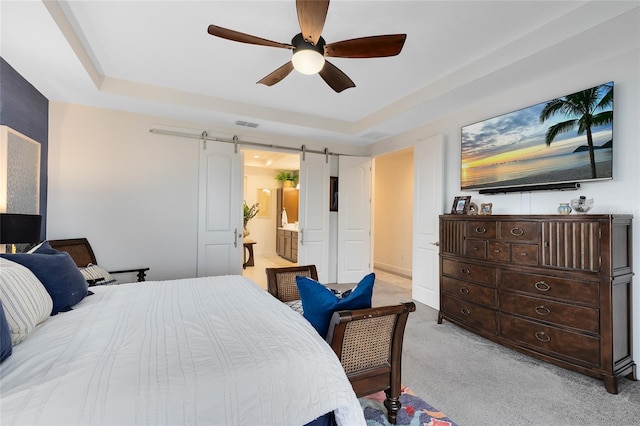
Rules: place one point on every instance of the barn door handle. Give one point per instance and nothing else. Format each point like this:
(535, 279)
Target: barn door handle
(235, 237)
(301, 237)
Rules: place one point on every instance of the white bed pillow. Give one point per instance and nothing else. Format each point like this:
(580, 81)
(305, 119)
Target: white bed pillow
(97, 275)
(25, 300)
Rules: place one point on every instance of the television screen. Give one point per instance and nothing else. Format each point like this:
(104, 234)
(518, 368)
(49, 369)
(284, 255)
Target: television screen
(567, 139)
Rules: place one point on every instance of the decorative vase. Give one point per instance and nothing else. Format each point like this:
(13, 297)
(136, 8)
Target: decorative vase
(245, 232)
(287, 184)
(564, 208)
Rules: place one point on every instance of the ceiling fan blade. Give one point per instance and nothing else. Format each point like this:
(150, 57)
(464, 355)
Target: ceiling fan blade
(278, 75)
(232, 35)
(367, 47)
(335, 78)
(311, 17)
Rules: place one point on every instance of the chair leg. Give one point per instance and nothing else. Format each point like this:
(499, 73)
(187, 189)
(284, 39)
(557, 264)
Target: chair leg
(392, 403)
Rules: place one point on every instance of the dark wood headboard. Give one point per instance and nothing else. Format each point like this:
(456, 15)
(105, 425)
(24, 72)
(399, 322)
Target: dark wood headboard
(78, 248)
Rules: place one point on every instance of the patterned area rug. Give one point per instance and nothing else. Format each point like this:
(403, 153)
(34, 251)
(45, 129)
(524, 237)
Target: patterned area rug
(414, 411)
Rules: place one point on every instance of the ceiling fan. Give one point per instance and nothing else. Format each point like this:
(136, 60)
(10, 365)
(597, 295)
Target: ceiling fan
(310, 49)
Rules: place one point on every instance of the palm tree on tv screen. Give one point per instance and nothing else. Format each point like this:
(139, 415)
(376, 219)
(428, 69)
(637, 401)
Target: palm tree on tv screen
(584, 107)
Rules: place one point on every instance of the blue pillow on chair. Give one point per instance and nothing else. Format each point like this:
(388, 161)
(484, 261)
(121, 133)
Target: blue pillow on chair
(319, 302)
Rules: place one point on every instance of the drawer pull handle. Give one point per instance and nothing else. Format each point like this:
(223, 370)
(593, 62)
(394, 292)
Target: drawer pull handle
(465, 271)
(523, 254)
(517, 232)
(464, 290)
(481, 230)
(542, 286)
(496, 251)
(542, 336)
(542, 310)
(465, 311)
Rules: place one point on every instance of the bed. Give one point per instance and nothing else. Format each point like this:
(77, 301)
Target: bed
(208, 351)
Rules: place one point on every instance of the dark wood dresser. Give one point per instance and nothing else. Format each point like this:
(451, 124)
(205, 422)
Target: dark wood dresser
(554, 287)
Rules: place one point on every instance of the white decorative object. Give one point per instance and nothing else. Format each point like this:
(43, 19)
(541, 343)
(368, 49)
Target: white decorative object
(582, 204)
(19, 173)
(284, 217)
(564, 208)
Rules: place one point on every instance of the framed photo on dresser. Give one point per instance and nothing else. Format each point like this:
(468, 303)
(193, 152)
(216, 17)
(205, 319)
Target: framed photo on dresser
(460, 204)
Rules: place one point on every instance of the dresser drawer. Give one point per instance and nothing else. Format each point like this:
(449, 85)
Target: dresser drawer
(498, 251)
(469, 272)
(469, 292)
(573, 347)
(476, 248)
(485, 229)
(557, 288)
(577, 317)
(470, 314)
(519, 231)
(524, 254)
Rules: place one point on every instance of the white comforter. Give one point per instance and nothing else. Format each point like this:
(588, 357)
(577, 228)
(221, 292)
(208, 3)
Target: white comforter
(208, 351)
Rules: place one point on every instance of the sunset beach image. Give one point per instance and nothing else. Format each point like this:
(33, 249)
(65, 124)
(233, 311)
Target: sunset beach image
(551, 142)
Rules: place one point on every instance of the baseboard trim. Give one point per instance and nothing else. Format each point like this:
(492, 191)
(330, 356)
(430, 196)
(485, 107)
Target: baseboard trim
(403, 272)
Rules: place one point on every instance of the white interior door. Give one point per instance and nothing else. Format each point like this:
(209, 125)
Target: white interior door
(428, 204)
(220, 210)
(354, 218)
(313, 218)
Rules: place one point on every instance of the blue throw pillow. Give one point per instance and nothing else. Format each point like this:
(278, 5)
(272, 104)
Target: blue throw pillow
(58, 273)
(319, 303)
(5, 336)
(45, 248)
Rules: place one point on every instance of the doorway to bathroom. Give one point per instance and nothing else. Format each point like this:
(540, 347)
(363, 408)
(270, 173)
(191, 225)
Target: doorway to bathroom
(265, 175)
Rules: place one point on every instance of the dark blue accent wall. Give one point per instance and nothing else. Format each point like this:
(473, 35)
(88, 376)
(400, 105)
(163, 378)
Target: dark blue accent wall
(26, 110)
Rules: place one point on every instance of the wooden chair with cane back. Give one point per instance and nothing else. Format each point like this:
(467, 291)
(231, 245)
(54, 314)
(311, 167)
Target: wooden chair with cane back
(281, 282)
(368, 343)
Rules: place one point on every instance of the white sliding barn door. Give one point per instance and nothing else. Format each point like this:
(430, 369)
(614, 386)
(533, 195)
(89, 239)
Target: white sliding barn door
(313, 219)
(354, 218)
(428, 204)
(220, 217)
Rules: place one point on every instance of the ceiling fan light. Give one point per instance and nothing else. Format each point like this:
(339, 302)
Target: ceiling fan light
(307, 61)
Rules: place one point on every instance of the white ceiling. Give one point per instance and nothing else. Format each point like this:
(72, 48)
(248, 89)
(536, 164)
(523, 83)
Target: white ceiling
(156, 57)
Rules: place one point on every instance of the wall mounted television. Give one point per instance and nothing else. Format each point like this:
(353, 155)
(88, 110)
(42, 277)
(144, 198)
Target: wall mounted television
(562, 141)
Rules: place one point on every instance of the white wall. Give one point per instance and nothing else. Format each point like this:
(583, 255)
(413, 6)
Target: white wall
(620, 195)
(132, 193)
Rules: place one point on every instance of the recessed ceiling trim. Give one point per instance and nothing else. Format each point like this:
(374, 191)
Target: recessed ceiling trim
(61, 20)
